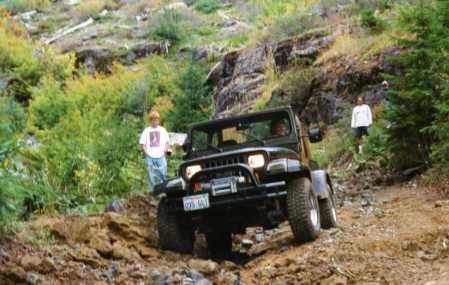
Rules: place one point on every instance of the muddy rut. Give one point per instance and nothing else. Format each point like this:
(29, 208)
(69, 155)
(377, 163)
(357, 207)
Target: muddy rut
(399, 235)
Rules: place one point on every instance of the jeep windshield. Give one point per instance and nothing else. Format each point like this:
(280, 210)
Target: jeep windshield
(219, 135)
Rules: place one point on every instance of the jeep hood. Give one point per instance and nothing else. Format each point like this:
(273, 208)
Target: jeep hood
(272, 152)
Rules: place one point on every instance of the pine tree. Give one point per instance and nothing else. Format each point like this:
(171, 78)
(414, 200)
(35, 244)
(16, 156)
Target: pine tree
(417, 93)
(193, 104)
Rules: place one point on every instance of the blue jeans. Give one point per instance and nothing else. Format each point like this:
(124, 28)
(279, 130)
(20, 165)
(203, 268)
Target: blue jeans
(157, 170)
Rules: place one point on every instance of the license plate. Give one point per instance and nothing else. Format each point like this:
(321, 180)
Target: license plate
(197, 202)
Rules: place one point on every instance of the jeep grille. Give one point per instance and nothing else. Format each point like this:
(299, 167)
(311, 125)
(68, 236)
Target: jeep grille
(224, 161)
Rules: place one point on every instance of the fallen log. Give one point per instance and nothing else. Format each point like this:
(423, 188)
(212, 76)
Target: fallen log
(65, 31)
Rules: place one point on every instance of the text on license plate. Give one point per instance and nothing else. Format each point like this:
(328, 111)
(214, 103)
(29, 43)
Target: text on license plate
(197, 202)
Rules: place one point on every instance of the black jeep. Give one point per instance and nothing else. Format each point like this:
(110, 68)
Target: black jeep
(244, 171)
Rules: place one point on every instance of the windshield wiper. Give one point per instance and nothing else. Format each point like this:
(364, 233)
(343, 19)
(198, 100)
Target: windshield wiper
(214, 147)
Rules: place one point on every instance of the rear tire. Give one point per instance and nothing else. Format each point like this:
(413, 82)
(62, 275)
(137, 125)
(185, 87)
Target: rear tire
(219, 244)
(328, 211)
(175, 231)
(303, 210)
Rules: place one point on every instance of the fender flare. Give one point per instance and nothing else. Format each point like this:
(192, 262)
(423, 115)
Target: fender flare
(320, 180)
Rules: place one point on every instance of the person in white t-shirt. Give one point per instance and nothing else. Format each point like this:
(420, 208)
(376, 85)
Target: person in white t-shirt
(154, 142)
(361, 120)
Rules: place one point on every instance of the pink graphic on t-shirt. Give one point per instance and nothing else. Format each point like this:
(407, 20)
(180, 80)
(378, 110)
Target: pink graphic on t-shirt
(155, 139)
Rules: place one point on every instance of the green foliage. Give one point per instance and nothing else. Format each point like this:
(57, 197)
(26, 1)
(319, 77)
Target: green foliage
(171, 25)
(338, 145)
(159, 81)
(91, 8)
(20, 6)
(12, 122)
(296, 83)
(25, 64)
(207, 6)
(375, 145)
(371, 22)
(49, 104)
(417, 103)
(85, 138)
(193, 104)
(277, 20)
(12, 118)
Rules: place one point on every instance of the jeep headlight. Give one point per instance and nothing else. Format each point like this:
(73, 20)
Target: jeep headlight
(256, 161)
(192, 169)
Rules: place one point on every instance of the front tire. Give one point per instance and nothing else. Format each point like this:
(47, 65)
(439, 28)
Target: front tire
(219, 244)
(328, 211)
(175, 231)
(303, 210)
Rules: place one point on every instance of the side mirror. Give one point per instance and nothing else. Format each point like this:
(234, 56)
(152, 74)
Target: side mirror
(186, 146)
(315, 135)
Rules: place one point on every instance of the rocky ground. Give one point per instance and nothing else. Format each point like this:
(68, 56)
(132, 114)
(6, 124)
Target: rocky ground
(396, 235)
(388, 235)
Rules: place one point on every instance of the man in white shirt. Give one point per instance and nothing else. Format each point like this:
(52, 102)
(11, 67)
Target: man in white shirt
(361, 120)
(154, 142)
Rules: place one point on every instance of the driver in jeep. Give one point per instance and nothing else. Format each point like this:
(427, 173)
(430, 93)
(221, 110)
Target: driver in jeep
(279, 128)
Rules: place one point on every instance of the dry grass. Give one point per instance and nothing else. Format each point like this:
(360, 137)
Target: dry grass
(356, 46)
(91, 8)
(138, 7)
(271, 83)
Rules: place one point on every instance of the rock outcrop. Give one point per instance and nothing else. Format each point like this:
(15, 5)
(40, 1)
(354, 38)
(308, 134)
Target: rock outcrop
(97, 58)
(239, 78)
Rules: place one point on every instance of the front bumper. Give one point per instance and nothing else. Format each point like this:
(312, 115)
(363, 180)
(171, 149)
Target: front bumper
(233, 191)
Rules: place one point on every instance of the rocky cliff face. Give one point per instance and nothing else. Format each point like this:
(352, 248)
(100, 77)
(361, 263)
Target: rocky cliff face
(237, 80)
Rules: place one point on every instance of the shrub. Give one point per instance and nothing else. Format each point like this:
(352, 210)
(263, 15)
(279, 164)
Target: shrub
(49, 105)
(12, 118)
(297, 82)
(12, 193)
(20, 6)
(207, 6)
(27, 65)
(91, 8)
(375, 145)
(159, 81)
(170, 25)
(371, 22)
(84, 153)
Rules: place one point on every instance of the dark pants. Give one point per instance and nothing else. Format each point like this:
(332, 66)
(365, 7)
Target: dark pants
(360, 132)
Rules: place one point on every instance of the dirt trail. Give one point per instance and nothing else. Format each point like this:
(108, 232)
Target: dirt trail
(399, 236)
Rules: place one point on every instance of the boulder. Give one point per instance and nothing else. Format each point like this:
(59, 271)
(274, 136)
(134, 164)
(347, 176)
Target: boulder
(33, 278)
(31, 262)
(48, 265)
(204, 52)
(122, 251)
(146, 251)
(100, 58)
(101, 243)
(183, 276)
(335, 280)
(12, 274)
(72, 229)
(87, 256)
(204, 266)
